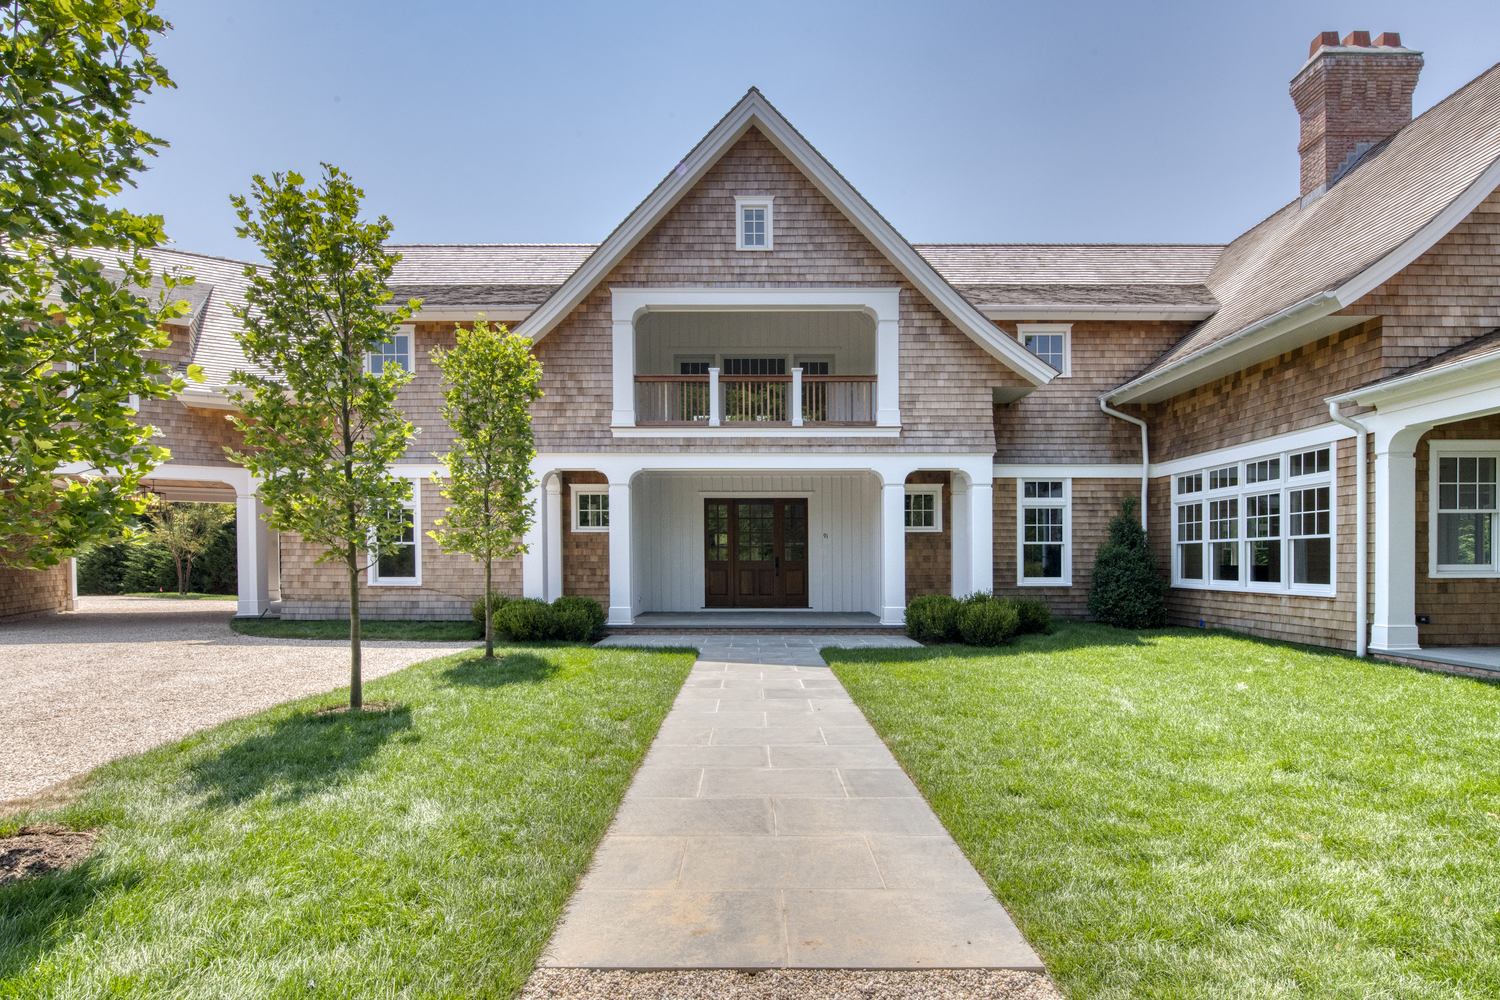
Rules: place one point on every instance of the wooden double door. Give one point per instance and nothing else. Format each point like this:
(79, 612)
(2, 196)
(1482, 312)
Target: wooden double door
(755, 553)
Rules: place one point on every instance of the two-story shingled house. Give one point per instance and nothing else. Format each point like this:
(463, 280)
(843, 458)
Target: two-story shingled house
(760, 395)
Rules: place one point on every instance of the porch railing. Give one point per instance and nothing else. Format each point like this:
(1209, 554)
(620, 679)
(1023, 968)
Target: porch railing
(765, 399)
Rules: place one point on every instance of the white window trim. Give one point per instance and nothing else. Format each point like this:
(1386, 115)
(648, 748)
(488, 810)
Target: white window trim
(934, 490)
(744, 201)
(1443, 449)
(591, 489)
(1284, 485)
(408, 331)
(414, 505)
(1066, 580)
(1066, 329)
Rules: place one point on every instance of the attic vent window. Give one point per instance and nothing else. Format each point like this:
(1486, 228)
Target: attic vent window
(752, 223)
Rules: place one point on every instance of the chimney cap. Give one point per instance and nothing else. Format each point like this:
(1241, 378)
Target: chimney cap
(1389, 40)
(1357, 39)
(1326, 38)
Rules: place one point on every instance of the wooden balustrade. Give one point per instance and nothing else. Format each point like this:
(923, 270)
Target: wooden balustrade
(685, 399)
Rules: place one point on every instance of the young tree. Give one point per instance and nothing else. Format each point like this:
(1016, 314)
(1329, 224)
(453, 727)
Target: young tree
(320, 430)
(490, 380)
(185, 530)
(71, 333)
(1128, 590)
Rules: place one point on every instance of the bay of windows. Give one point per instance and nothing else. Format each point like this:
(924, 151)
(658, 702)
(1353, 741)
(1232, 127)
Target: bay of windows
(1265, 524)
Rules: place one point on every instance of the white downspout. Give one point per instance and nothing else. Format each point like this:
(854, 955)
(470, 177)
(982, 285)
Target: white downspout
(1361, 541)
(1145, 454)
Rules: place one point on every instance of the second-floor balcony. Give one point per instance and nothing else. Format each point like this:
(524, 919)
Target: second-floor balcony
(716, 399)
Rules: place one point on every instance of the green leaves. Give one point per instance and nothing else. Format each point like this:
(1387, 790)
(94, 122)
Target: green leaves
(320, 431)
(490, 380)
(72, 335)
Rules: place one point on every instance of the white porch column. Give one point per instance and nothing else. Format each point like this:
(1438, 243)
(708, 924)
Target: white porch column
(959, 548)
(794, 402)
(1394, 628)
(623, 414)
(534, 559)
(252, 552)
(893, 553)
(982, 535)
(714, 406)
(553, 528)
(620, 568)
(888, 372)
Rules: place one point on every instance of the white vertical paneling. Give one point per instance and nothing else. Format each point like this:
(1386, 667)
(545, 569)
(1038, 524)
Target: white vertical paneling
(843, 568)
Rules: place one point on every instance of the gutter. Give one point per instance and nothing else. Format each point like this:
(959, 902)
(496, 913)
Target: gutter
(1145, 453)
(1312, 308)
(1073, 311)
(1396, 385)
(1361, 540)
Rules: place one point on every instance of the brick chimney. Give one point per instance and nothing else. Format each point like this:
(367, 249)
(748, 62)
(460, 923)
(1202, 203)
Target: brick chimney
(1351, 94)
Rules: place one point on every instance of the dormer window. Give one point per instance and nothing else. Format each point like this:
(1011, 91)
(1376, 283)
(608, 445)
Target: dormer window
(752, 225)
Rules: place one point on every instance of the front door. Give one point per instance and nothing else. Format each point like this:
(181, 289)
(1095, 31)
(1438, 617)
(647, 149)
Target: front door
(755, 553)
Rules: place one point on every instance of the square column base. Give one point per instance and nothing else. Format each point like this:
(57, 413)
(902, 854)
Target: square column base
(1394, 639)
(620, 616)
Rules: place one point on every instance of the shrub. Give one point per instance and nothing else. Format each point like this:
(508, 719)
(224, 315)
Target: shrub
(932, 618)
(1128, 590)
(988, 623)
(1034, 616)
(579, 619)
(497, 601)
(978, 597)
(527, 620)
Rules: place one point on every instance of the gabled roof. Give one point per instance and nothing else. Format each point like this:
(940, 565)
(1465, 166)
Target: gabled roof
(754, 111)
(1281, 282)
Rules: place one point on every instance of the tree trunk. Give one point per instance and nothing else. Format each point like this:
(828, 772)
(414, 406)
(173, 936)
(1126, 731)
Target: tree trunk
(489, 624)
(356, 693)
(186, 583)
(181, 584)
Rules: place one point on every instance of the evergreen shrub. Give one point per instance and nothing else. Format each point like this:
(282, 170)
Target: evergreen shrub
(497, 601)
(932, 618)
(527, 620)
(989, 622)
(1035, 617)
(1128, 590)
(579, 619)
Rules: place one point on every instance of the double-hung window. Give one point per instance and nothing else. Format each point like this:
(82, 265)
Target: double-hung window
(753, 223)
(590, 507)
(1050, 342)
(1044, 526)
(1263, 524)
(401, 566)
(924, 507)
(1463, 498)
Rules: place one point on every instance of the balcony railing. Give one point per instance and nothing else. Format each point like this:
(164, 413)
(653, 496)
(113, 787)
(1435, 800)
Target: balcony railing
(715, 400)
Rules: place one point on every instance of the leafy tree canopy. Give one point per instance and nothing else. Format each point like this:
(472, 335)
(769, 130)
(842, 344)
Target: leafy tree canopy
(74, 316)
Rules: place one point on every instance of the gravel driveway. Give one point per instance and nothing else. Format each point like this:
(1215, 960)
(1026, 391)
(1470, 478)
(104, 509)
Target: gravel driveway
(124, 674)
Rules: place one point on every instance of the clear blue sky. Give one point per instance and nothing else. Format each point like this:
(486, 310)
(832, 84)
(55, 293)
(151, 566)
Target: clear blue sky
(474, 122)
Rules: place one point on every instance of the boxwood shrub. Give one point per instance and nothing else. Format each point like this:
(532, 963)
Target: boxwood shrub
(988, 623)
(932, 618)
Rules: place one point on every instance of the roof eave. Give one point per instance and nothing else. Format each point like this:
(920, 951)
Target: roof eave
(1401, 388)
(1084, 313)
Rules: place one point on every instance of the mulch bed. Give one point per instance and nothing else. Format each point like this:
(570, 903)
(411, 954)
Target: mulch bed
(369, 708)
(37, 850)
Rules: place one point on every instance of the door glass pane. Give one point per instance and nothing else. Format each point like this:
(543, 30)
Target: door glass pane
(757, 530)
(716, 528)
(795, 532)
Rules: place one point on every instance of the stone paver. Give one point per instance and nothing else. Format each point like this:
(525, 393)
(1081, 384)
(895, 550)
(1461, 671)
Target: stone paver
(783, 650)
(122, 675)
(770, 828)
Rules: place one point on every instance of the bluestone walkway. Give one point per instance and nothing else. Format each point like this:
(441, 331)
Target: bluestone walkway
(769, 827)
(783, 650)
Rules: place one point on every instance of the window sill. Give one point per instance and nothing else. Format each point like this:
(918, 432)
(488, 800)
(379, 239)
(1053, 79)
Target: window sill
(1045, 581)
(1464, 573)
(395, 583)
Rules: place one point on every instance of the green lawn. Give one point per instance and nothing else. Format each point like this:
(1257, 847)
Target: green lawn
(338, 628)
(425, 850)
(1196, 814)
(182, 597)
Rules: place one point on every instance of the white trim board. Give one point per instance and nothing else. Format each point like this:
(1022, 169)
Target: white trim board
(1293, 441)
(1016, 471)
(754, 111)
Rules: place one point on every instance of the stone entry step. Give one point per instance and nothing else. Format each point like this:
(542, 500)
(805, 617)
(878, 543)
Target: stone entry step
(769, 827)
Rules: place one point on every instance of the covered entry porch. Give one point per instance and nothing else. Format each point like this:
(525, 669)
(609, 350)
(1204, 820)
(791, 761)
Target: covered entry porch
(803, 534)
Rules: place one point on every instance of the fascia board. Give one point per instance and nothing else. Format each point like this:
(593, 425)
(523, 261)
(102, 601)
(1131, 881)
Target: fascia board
(1420, 387)
(1079, 313)
(1292, 326)
(755, 111)
(1423, 239)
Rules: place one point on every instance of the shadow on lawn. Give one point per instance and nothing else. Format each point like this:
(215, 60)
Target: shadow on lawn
(505, 668)
(37, 914)
(296, 756)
